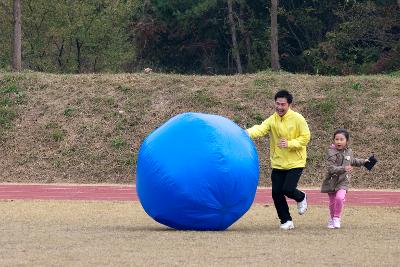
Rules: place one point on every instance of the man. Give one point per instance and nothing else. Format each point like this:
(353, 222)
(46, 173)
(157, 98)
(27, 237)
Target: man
(288, 137)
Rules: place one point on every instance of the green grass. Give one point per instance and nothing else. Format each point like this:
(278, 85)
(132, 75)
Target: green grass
(10, 87)
(110, 100)
(204, 98)
(123, 88)
(257, 118)
(68, 111)
(395, 74)
(356, 86)
(10, 97)
(6, 116)
(55, 131)
(57, 135)
(260, 83)
(118, 143)
(56, 163)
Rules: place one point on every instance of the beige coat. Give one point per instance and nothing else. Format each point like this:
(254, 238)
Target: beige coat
(336, 177)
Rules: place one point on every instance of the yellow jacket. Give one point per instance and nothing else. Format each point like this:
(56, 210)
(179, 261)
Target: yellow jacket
(293, 127)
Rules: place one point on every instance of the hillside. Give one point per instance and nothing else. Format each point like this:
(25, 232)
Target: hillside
(78, 128)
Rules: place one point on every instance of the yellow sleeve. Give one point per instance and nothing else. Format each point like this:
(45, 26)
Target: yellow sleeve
(303, 138)
(260, 130)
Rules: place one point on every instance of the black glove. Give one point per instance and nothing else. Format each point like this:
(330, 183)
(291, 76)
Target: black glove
(370, 163)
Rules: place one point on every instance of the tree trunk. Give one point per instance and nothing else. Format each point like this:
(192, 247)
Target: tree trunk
(60, 54)
(17, 36)
(245, 33)
(78, 55)
(235, 46)
(274, 36)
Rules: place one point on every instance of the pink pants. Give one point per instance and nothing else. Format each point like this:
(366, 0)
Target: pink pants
(336, 203)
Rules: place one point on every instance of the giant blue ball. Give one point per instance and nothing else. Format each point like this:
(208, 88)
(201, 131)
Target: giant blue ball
(197, 172)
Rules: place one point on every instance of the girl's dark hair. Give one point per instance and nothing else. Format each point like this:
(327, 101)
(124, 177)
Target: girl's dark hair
(284, 94)
(342, 131)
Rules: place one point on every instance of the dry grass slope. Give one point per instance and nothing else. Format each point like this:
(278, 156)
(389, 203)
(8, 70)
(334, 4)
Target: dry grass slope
(78, 128)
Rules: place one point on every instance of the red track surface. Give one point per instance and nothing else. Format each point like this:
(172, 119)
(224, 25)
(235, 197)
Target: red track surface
(128, 193)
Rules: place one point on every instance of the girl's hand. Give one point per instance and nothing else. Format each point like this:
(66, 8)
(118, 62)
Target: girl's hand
(348, 168)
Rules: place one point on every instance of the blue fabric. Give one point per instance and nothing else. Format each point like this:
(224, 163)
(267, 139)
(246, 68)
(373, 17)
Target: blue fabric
(197, 172)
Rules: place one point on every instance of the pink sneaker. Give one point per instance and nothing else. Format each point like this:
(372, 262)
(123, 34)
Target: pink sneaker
(330, 224)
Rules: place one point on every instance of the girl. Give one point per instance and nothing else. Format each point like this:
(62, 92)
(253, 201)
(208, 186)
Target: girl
(340, 161)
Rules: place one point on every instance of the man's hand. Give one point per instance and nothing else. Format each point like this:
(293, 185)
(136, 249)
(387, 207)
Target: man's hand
(283, 143)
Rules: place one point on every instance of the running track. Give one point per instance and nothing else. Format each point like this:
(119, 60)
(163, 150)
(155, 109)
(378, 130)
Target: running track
(128, 193)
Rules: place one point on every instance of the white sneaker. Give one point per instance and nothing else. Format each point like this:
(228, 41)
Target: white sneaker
(287, 225)
(336, 222)
(330, 224)
(302, 205)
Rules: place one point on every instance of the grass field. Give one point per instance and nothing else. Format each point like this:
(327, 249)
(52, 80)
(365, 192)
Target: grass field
(79, 233)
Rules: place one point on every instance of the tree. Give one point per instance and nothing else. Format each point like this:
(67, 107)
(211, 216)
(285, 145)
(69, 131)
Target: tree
(17, 36)
(365, 39)
(235, 47)
(204, 36)
(6, 33)
(245, 34)
(83, 36)
(274, 36)
(183, 36)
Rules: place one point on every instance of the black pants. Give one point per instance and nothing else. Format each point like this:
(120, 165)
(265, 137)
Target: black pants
(284, 183)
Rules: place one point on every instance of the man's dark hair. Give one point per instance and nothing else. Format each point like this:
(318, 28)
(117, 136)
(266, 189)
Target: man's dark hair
(284, 94)
(342, 131)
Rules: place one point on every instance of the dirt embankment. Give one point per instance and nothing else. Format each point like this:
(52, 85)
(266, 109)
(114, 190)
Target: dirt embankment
(78, 128)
